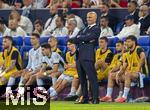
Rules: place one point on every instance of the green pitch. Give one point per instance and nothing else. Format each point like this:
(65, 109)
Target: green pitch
(59, 105)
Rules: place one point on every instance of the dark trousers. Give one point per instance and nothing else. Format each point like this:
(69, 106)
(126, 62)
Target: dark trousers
(86, 68)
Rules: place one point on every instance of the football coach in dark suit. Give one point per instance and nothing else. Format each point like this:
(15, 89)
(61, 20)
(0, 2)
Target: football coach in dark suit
(85, 41)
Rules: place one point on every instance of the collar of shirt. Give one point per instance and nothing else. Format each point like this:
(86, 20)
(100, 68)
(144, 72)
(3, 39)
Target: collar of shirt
(132, 13)
(90, 26)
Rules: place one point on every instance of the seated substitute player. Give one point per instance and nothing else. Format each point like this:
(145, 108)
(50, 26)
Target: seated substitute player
(51, 67)
(136, 65)
(12, 60)
(52, 41)
(69, 75)
(104, 57)
(34, 64)
(115, 66)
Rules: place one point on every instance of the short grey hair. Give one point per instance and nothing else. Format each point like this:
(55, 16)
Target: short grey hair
(72, 20)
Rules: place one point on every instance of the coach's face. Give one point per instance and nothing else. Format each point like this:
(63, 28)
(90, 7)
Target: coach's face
(102, 43)
(91, 18)
(130, 43)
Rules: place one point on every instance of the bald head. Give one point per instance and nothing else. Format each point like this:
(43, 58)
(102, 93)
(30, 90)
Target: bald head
(91, 18)
(144, 10)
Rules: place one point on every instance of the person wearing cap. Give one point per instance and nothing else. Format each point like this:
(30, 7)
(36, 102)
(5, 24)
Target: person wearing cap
(3, 27)
(130, 28)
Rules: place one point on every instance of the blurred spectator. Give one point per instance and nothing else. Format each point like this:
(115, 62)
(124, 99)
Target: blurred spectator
(69, 14)
(130, 28)
(57, 3)
(60, 30)
(15, 3)
(76, 4)
(111, 17)
(3, 27)
(3, 5)
(86, 4)
(38, 27)
(96, 3)
(132, 9)
(72, 28)
(23, 21)
(105, 29)
(14, 29)
(28, 5)
(144, 19)
(146, 2)
(50, 24)
(39, 4)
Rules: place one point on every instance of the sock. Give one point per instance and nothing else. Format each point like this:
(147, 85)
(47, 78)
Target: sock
(109, 92)
(11, 81)
(21, 81)
(54, 80)
(73, 91)
(126, 92)
(8, 90)
(51, 89)
(120, 93)
(21, 90)
(54, 93)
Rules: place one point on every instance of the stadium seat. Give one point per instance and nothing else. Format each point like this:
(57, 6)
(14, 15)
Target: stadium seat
(112, 41)
(18, 41)
(44, 40)
(118, 28)
(62, 48)
(62, 40)
(1, 48)
(113, 49)
(27, 41)
(1, 41)
(144, 41)
(24, 53)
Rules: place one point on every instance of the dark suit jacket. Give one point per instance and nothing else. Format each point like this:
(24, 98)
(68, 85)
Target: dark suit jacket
(145, 23)
(136, 16)
(85, 41)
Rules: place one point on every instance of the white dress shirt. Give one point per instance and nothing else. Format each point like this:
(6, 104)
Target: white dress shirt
(107, 31)
(50, 25)
(60, 32)
(129, 30)
(74, 33)
(37, 4)
(18, 32)
(26, 24)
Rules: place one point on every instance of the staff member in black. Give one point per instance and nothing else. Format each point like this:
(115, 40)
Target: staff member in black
(85, 41)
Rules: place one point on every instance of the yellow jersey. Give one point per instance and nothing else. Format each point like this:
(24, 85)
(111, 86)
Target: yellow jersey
(106, 56)
(133, 60)
(116, 60)
(8, 57)
(70, 59)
